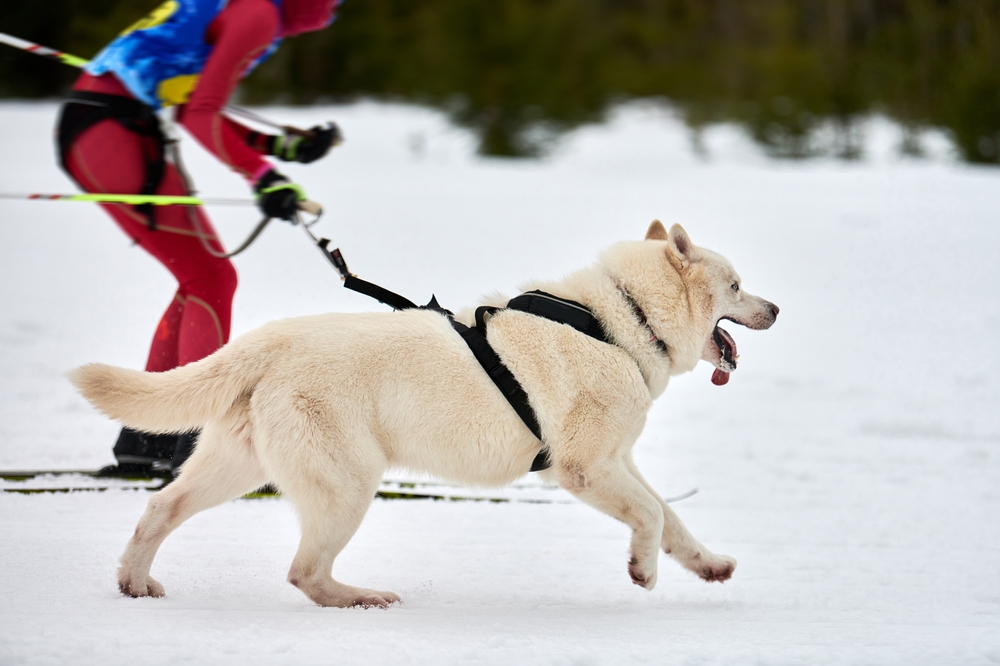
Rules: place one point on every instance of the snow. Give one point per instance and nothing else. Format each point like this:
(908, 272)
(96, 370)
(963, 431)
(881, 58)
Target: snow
(851, 465)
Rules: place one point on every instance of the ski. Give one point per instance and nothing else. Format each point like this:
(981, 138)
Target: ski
(33, 482)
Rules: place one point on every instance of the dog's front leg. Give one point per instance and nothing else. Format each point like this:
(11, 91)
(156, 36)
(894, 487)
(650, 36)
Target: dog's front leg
(609, 487)
(680, 544)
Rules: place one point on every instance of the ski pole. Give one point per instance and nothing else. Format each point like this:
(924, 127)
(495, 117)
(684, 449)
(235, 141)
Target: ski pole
(76, 61)
(45, 51)
(261, 120)
(287, 129)
(311, 207)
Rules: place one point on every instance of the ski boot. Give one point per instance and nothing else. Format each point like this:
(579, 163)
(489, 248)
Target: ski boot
(182, 450)
(147, 455)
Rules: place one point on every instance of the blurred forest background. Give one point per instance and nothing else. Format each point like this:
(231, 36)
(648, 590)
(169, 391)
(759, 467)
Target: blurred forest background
(521, 72)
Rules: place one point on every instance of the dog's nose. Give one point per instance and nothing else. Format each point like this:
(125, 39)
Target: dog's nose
(774, 309)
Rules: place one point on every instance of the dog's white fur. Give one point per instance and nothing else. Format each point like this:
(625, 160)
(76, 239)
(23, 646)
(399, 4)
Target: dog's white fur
(322, 406)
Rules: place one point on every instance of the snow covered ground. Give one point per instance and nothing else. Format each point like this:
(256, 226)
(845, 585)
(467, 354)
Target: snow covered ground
(851, 465)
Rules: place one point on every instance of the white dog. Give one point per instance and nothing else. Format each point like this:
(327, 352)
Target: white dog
(322, 406)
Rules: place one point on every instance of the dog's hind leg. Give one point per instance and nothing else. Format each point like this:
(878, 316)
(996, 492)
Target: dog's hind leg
(222, 467)
(680, 544)
(331, 496)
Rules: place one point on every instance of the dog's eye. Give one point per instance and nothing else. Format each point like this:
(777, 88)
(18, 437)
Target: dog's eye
(736, 287)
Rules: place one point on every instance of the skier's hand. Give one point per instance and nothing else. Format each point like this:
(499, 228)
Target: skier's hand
(278, 197)
(306, 146)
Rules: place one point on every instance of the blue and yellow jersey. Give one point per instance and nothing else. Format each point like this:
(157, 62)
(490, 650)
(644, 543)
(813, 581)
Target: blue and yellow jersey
(160, 57)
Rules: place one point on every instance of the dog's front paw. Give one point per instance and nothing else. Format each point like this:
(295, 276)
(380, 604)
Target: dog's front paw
(373, 599)
(715, 568)
(641, 575)
(136, 588)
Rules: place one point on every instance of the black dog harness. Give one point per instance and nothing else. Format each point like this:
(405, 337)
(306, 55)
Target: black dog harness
(538, 303)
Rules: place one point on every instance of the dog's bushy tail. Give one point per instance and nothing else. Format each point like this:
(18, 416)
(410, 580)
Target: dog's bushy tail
(177, 400)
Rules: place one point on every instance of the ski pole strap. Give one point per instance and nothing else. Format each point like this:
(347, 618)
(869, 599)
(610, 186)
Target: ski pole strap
(285, 147)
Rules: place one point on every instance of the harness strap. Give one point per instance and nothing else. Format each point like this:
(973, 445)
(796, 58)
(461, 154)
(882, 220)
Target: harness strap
(84, 109)
(504, 379)
(475, 339)
(561, 310)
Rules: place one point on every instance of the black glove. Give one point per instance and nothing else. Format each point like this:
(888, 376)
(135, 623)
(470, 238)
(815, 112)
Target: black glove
(291, 147)
(278, 197)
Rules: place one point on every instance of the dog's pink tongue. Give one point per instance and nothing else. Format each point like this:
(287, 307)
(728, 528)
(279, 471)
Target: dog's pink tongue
(719, 377)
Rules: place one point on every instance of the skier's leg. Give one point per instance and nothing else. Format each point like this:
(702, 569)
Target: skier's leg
(163, 351)
(109, 158)
(206, 283)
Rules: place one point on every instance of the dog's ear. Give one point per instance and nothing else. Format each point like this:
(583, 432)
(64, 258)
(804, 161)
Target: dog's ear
(680, 246)
(656, 231)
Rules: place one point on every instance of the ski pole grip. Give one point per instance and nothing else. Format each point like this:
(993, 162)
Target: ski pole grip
(310, 207)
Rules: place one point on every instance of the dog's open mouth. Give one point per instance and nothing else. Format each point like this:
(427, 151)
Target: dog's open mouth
(727, 348)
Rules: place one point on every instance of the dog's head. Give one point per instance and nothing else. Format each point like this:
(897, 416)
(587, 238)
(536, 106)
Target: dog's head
(687, 291)
(715, 286)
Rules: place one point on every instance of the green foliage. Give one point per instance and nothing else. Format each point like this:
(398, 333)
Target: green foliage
(519, 72)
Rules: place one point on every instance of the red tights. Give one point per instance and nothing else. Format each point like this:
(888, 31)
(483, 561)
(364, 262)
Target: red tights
(109, 158)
